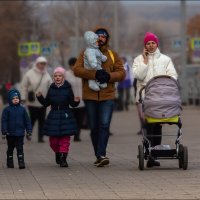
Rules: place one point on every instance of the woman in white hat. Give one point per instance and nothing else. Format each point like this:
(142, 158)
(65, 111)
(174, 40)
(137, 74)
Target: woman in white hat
(36, 79)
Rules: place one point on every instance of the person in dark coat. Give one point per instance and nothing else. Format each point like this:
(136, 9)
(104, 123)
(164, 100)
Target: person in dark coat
(60, 123)
(79, 111)
(14, 122)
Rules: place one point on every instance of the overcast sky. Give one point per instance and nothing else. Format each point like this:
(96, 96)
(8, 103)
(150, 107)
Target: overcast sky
(163, 2)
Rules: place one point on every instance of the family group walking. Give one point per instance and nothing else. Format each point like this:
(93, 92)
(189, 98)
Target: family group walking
(99, 68)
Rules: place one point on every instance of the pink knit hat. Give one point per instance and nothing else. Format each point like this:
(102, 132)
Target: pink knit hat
(60, 70)
(150, 37)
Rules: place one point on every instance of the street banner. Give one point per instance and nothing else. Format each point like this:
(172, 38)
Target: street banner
(46, 51)
(195, 43)
(28, 48)
(34, 48)
(23, 49)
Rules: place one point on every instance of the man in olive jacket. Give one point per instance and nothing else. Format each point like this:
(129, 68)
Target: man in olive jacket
(100, 104)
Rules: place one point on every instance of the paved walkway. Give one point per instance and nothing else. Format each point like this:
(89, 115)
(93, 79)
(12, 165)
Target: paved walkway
(43, 179)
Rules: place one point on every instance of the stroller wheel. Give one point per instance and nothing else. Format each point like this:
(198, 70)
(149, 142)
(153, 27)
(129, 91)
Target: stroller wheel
(141, 157)
(183, 160)
(180, 163)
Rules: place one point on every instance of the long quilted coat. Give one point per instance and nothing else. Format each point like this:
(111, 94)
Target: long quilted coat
(60, 120)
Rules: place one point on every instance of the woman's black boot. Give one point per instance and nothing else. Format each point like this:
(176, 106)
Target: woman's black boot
(63, 161)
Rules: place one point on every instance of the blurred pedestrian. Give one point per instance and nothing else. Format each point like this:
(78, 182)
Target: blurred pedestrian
(149, 64)
(100, 104)
(36, 79)
(76, 83)
(5, 88)
(124, 87)
(14, 122)
(8, 85)
(60, 123)
(4, 93)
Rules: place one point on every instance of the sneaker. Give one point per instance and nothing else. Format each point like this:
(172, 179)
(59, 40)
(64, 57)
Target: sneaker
(96, 162)
(102, 161)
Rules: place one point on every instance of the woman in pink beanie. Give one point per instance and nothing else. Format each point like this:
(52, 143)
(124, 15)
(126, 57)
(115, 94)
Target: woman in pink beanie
(147, 65)
(60, 123)
(150, 37)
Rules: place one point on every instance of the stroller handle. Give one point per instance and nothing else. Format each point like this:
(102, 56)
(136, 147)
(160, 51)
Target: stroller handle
(140, 94)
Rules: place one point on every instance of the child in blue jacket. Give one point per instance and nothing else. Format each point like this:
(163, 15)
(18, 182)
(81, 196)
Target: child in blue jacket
(14, 122)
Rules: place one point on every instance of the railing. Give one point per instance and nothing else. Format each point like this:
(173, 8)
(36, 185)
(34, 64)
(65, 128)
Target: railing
(193, 90)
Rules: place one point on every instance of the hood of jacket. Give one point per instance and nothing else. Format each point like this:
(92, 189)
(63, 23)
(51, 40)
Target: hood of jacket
(35, 68)
(155, 54)
(11, 94)
(91, 38)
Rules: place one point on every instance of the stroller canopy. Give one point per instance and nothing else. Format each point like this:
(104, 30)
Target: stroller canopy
(162, 98)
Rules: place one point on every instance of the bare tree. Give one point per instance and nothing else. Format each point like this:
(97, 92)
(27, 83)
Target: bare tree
(15, 24)
(62, 18)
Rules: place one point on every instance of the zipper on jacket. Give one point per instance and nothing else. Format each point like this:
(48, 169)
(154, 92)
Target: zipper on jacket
(98, 95)
(153, 65)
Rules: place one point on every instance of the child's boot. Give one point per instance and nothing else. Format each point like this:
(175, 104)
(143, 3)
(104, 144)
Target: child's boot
(21, 161)
(63, 161)
(57, 157)
(10, 162)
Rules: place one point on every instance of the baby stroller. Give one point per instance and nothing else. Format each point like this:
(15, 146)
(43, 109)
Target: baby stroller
(161, 105)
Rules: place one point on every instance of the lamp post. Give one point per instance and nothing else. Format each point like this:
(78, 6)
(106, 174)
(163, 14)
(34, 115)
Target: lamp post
(184, 90)
(116, 25)
(76, 27)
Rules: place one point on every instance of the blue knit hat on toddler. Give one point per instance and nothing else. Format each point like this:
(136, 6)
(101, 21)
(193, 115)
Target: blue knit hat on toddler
(13, 93)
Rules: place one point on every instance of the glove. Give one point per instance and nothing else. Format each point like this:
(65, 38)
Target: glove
(99, 73)
(28, 136)
(102, 76)
(3, 137)
(104, 79)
